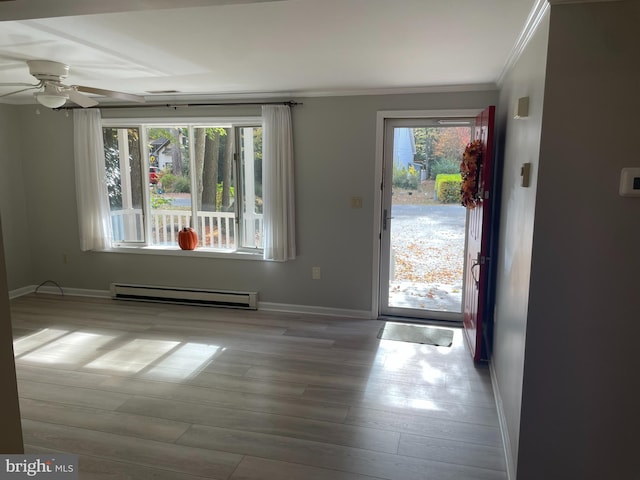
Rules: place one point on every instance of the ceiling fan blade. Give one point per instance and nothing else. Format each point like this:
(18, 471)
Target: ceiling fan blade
(19, 84)
(32, 87)
(80, 99)
(111, 93)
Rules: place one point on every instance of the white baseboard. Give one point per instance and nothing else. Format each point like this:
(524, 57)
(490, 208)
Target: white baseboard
(75, 292)
(313, 310)
(54, 290)
(18, 292)
(264, 306)
(502, 420)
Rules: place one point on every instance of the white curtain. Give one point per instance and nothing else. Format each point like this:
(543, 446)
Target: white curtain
(94, 218)
(277, 183)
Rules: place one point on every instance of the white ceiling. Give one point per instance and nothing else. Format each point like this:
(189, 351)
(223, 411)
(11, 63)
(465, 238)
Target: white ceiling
(236, 48)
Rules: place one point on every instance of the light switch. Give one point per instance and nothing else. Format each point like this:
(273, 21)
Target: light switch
(522, 108)
(356, 202)
(630, 182)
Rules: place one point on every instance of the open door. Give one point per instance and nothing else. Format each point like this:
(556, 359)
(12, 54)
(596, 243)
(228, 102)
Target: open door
(422, 249)
(478, 242)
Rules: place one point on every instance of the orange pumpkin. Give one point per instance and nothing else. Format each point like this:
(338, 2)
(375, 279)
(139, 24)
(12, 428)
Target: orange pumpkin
(187, 238)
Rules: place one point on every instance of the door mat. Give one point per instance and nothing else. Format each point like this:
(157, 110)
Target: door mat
(441, 337)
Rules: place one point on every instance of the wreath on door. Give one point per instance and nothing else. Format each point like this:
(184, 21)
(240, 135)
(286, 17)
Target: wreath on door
(470, 172)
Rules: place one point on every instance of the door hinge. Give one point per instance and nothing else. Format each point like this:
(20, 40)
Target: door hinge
(385, 219)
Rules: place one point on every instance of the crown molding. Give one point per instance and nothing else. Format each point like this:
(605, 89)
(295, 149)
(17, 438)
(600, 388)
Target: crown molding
(32, 9)
(560, 2)
(186, 98)
(537, 14)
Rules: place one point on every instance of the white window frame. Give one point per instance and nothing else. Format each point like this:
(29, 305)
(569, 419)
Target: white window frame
(142, 124)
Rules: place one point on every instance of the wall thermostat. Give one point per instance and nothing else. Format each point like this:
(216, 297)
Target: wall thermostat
(630, 182)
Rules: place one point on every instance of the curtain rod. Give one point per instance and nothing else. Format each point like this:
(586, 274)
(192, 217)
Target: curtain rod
(175, 106)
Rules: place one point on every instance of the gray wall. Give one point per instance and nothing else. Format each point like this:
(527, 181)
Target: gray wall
(579, 414)
(15, 228)
(520, 143)
(335, 139)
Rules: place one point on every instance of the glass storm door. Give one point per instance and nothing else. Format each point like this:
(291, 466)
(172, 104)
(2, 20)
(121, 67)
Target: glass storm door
(423, 223)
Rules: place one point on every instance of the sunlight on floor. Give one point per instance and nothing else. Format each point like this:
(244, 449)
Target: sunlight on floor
(70, 349)
(133, 356)
(183, 363)
(36, 340)
(154, 359)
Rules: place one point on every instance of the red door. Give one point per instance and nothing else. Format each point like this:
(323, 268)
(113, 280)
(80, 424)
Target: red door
(478, 230)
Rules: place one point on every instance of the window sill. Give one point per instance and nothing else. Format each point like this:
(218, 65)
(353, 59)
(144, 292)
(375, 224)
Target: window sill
(177, 252)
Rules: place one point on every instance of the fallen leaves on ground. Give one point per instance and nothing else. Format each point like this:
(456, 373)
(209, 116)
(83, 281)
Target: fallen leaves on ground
(424, 264)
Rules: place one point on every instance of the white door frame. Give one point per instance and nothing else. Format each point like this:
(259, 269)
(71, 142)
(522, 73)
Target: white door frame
(377, 184)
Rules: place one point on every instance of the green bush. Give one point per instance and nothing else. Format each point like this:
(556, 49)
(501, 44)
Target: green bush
(403, 177)
(182, 185)
(168, 180)
(159, 202)
(173, 184)
(444, 166)
(447, 177)
(448, 188)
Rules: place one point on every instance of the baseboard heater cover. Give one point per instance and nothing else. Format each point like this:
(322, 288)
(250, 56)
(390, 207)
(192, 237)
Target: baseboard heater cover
(187, 296)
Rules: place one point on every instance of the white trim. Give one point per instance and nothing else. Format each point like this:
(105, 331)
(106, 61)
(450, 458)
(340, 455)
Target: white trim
(314, 310)
(262, 306)
(560, 2)
(195, 120)
(19, 292)
(54, 290)
(502, 421)
(534, 19)
(177, 252)
(474, 87)
(381, 116)
(174, 101)
(78, 292)
(162, 100)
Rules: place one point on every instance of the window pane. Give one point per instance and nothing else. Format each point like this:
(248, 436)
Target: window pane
(124, 183)
(216, 187)
(169, 183)
(251, 171)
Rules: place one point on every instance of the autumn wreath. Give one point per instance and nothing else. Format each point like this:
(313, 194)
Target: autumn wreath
(470, 169)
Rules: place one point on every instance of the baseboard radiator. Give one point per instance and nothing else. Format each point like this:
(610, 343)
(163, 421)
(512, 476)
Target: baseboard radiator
(188, 296)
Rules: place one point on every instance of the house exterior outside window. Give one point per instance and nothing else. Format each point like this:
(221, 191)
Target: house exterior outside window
(163, 177)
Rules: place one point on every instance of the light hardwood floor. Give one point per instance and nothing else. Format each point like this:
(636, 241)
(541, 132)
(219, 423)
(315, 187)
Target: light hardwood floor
(149, 391)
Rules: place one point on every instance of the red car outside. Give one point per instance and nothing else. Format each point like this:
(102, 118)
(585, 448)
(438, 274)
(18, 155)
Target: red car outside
(153, 175)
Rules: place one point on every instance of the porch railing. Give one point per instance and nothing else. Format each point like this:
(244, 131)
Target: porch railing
(216, 229)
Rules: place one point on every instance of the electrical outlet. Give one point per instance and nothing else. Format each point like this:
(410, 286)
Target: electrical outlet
(315, 273)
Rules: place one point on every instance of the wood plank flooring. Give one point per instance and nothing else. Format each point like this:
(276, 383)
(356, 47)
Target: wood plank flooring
(150, 391)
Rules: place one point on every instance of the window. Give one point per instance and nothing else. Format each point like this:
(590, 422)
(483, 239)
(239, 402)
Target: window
(164, 177)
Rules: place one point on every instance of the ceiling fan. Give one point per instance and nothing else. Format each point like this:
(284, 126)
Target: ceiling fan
(54, 94)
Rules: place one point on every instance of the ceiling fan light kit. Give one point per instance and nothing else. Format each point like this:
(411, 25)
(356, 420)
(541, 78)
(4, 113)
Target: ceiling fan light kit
(55, 94)
(51, 101)
(52, 96)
